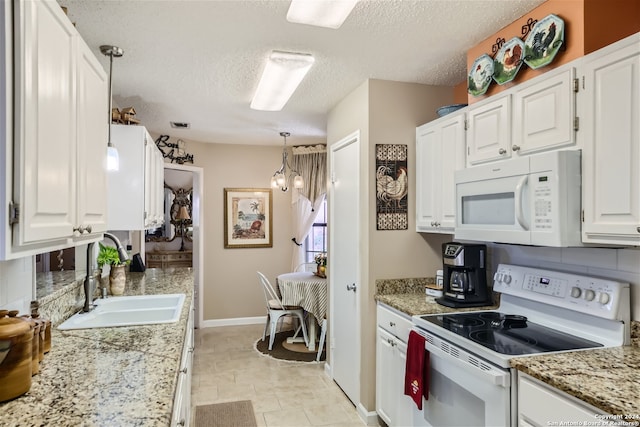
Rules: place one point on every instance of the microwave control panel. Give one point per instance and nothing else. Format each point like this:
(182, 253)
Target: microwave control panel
(543, 205)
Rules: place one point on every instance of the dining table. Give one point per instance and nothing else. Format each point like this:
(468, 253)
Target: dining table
(309, 291)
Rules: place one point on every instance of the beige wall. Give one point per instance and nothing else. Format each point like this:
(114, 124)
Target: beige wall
(230, 285)
(386, 113)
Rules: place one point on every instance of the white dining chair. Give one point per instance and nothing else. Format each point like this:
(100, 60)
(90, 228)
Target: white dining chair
(276, 310)
(323, 336)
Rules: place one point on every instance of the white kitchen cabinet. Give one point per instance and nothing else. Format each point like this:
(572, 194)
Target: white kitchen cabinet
(558, 406)
(392, 405)
(489, 130)
(92, 131)
(134, 191)
(440, 151)
(59, 134)
(611, 154)
(181, 413)
(544, 115)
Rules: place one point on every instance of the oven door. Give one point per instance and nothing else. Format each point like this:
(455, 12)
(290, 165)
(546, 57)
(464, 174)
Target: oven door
(465, 390)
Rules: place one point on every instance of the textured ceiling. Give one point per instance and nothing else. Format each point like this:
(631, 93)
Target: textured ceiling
(200, 61)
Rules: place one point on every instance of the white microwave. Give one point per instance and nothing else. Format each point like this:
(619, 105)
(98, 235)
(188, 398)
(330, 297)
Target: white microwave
(532, 200)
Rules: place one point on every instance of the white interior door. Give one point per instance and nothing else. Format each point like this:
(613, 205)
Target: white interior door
(343, 266)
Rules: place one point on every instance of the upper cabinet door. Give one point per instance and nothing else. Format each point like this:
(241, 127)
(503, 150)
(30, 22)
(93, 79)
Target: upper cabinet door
(45, 121)
(544, 113)
(489, 131)
(611, 156)
(452, 159)
(92, 128)
(427, 177)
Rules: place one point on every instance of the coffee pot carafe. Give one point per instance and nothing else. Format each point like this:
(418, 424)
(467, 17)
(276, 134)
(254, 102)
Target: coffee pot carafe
(465, 275)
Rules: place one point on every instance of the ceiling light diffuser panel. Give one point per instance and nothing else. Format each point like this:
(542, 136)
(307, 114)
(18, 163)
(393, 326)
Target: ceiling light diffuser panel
(321, 13)
(281, 76)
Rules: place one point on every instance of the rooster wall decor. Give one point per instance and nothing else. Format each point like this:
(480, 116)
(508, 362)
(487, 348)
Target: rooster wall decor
(544, 41)
(392, 187)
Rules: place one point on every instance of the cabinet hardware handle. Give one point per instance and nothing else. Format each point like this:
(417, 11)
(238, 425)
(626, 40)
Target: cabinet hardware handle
(392, 324)
(183, 370)
(351, 287)
(182, 422)
(502, 151)
(638, 229)
(81, 229)
(516, 148)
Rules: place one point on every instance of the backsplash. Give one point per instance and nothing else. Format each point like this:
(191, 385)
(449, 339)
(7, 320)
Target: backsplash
(16, 284)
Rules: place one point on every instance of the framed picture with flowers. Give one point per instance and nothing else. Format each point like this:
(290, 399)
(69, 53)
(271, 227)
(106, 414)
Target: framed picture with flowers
(247, 218)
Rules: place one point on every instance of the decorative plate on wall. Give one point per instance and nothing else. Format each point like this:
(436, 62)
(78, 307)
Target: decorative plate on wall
(508, 61)
(480, 75)
(544, 41)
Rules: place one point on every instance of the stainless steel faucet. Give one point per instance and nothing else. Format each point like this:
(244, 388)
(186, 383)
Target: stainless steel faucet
(88, 281)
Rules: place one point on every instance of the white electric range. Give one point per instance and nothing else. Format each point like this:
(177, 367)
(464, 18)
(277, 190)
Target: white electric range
(541, 312)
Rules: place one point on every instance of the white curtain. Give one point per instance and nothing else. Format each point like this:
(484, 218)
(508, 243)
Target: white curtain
(311, 163)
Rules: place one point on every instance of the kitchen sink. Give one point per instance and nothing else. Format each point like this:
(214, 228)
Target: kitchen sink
(128, 311)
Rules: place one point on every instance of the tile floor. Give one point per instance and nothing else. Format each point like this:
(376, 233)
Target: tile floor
(227, 368)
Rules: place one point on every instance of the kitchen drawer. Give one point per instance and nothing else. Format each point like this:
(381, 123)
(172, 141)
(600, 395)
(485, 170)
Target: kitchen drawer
(394, 322)
(559, 406)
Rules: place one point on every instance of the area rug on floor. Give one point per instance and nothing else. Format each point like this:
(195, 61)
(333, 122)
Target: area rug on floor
(284, 351)
(229, 414)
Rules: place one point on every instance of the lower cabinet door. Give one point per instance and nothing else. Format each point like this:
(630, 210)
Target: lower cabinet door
(392, 405)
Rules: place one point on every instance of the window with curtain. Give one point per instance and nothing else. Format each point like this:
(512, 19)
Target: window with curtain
(316, 241)
(311, 163)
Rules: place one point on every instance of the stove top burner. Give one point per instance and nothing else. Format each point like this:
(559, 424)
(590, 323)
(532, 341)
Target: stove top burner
(508, 333)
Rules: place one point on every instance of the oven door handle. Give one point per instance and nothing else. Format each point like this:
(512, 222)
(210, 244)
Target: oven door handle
(501, 379)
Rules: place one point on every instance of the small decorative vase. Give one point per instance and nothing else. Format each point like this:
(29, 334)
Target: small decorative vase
(117, 279)
(321, 270)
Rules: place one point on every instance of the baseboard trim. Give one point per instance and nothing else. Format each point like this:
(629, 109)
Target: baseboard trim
(235, 321)
(370, 418)
(327, 370)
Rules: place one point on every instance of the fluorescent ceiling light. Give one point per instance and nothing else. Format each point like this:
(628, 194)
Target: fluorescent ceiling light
(281, 76)
(321, 13)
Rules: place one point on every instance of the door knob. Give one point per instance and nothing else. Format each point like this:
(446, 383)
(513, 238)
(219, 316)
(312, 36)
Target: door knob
(351, 287)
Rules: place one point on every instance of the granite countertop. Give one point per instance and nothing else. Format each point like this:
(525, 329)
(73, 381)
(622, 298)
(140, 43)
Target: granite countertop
(110, 376)
(408, 296)
(608, 379)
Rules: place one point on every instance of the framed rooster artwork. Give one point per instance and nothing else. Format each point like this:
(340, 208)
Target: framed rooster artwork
(392, 187)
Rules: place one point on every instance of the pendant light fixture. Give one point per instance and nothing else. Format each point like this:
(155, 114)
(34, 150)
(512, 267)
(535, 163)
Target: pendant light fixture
(280, 179)
(113, 161)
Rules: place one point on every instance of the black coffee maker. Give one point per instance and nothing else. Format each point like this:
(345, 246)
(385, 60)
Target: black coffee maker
(465, 275)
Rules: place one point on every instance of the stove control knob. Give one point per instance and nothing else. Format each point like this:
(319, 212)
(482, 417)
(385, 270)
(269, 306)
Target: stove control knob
(576, 292)
(506, 279)
(589, 295)
(497, 277)
(604, 298)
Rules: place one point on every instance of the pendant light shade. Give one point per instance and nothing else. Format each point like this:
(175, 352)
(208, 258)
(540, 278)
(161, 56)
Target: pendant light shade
(113, 159)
